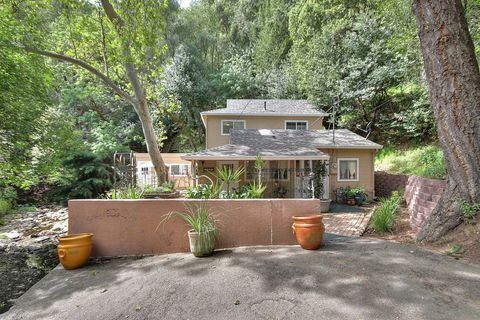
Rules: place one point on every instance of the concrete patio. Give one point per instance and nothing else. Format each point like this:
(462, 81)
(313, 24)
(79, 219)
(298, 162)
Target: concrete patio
(349, 278)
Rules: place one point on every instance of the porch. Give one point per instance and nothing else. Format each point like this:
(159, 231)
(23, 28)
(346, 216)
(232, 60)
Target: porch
(292, 178)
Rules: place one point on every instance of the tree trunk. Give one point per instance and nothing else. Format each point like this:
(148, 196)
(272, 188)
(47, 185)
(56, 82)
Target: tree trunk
(454, 81)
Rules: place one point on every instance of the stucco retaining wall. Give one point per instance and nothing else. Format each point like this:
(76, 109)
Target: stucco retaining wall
(128, 227)
(422, 196)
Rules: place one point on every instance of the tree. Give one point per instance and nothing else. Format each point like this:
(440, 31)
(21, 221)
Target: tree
(454, 80)
(136, 26)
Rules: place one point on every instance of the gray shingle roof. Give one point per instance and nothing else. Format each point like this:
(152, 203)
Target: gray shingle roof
(243, 152)
(288, 144)
(344, 138)
(267, 107)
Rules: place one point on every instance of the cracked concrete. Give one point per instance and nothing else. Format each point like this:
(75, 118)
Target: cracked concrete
(349, 278)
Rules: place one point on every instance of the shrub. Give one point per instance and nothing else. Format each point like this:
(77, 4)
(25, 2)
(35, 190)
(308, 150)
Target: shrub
(5, 207)
(129, 192)
(252, 191)
(470, 209)
(427, 161)
(203, 191)
(384, 216)
(91, 177)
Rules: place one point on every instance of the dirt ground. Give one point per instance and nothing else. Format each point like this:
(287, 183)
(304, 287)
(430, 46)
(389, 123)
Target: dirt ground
(463, 243)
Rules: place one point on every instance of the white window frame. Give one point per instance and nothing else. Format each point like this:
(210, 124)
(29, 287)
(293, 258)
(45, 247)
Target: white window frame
(357, 168)
(144, 171)
(177, 164)
(231, 120)
(296, 124)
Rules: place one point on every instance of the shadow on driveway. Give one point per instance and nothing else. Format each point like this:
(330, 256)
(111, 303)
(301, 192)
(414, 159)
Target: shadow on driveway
(348, 278)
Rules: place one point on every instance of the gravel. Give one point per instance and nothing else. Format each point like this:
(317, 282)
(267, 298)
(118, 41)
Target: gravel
(28, 245)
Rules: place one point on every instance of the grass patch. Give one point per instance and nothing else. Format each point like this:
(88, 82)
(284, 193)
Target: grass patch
(426, 161)
(383, 218)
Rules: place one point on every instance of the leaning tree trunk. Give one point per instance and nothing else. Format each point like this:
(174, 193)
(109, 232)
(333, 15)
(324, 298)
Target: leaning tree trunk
(454, 81)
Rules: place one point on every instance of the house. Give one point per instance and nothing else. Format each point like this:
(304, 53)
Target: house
(179, 171)
(290, 136)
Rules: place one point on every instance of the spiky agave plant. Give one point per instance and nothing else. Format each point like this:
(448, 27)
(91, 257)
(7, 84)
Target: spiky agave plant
(229, 176)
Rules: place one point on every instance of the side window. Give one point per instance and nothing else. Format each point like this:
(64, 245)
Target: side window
(296, 125)
(228, 125)
(347, 169)
(144, 171)
(179, 169)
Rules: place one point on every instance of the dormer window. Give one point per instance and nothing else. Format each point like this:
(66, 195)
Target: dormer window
(296, 125)
(228, 125)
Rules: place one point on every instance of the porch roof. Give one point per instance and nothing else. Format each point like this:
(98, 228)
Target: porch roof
(245, 152)
(314, 139)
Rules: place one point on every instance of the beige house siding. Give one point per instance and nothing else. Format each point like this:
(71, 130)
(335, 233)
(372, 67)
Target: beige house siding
(214, 138)
(365, 174)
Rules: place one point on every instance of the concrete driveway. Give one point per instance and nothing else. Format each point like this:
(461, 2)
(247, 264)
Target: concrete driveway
(347, 279)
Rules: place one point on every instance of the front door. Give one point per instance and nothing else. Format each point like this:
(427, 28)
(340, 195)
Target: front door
(232, 165)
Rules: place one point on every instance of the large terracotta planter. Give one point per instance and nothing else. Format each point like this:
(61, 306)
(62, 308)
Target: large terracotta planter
(309, 231)
(74, 250)
(201, 244)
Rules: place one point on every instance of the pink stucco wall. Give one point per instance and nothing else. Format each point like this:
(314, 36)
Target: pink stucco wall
(127, 227)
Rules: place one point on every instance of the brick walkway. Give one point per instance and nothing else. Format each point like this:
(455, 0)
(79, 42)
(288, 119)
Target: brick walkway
(350, 224)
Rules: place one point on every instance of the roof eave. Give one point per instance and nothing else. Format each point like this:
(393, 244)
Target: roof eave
(264, 114)
(268, 158)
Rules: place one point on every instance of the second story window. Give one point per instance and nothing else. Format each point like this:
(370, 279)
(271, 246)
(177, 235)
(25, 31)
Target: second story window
(296, 125)
(228, 125)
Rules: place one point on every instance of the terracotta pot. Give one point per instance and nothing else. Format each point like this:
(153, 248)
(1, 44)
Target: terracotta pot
(74, 250)
(314, 218)
(201, 244)
(309, 235)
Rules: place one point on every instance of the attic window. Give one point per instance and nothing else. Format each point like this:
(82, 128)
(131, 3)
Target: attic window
(296, 125)
(228, 125)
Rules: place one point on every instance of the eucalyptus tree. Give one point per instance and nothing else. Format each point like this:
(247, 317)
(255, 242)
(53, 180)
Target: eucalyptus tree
(121, 43)
(454, 80)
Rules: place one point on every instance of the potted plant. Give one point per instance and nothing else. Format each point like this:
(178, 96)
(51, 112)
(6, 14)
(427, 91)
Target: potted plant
(349, 196)
(229, 177)
(203, 226)
(320, 173)
(360, 196)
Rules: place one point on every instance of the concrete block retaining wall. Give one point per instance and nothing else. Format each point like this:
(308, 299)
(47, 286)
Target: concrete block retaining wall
(386, 183)
(422, 196)
(128, 227)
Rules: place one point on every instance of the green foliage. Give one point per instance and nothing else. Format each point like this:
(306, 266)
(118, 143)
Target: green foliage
(470, 209)
(320, 172)
(197, 216)
(427, 161)
(130, 192)
(5, 207)
(204, 191)
(228, 176)
(165, 187)
(252, 191)
(383, 218)
(90, 177)
(454, 249)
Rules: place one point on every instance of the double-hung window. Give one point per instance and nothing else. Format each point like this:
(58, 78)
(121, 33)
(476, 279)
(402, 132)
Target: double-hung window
(178, 169)
(228, 125)
(348, 169)
(296, 125)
